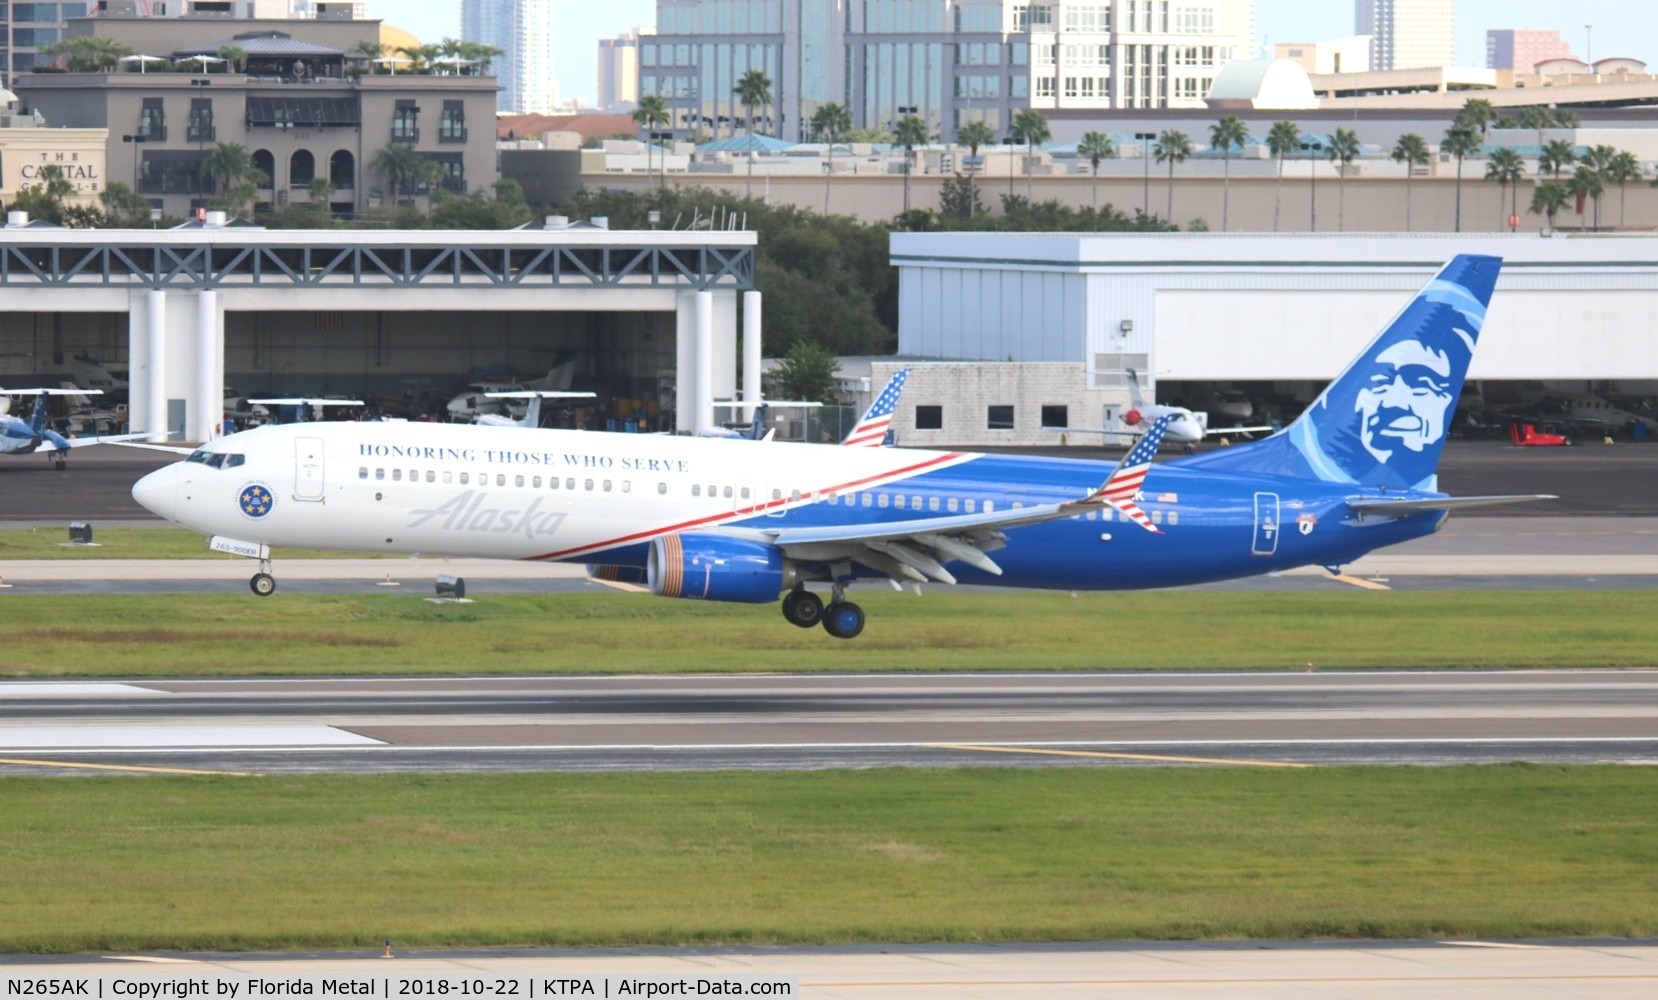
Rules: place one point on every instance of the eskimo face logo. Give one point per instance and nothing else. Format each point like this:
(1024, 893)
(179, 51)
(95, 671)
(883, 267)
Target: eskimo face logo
(255, 500)
(1407, 400)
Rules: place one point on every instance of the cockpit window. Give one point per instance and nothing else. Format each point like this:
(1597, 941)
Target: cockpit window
(232, 461)
(197, 456)
(216, 460)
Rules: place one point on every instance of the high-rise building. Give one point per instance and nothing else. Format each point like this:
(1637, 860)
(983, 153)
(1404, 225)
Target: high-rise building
(619, 70)
(523, 31)
(1519, 49)
(945, 61)
(1406, 34)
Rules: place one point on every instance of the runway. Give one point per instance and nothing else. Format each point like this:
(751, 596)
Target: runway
(802, 722)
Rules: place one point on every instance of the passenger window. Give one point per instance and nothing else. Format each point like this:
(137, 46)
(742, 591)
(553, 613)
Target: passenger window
(1174, 517)
(464, 476)
(1093, 515)
(397, 475)
(627, 485)
(713, 491)
(570, 482)
(794, 497)
(866, 499)
(881, 500)
(607, 486)
(990, 506)
(971, 505)
(951, 505)
(1018, 505)
(536, 482)
(728, 493)
(518, 481)
(448, 477)
(898, 501)
(431, 477)
(745, 492)
(588, 484)
(696, 489)
(362, 472)
(379, 473)
(500, 479)
(932, 503)
(414, 475)
(662, 489)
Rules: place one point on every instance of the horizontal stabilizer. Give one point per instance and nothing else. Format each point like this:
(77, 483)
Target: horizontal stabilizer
(1400, 508)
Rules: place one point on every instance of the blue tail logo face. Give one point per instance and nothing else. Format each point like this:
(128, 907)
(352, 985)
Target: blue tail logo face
(1383, 422)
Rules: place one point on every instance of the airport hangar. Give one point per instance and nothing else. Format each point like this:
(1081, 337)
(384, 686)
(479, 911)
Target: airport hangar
(1010, 333)
(366, 313)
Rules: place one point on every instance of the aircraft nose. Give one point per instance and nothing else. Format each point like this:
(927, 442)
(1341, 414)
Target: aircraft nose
(158, 491)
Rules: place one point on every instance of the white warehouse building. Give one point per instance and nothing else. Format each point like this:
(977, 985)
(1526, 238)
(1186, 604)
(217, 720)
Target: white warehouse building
(1063, 316)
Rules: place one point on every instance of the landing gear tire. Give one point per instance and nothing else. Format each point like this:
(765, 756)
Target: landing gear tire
(803, 608)
(61, 464)
(262, 584)
(843, 620)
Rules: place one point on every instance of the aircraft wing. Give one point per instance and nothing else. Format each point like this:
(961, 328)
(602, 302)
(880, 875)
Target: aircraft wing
(917, 550)
(1403, 507)
(1238, 430)
(542, 394)
(173, 449)
(53, 441)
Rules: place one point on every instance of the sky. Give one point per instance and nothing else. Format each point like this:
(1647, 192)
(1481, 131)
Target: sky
(1621, 27)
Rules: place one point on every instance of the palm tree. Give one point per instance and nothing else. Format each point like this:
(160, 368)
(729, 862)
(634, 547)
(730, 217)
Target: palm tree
(1412, 151)
(87, 53)
(235, 57)
(1600, 159)
(1506, 167)
(830, 122)
(320, 189)
(1586, 183)
(400, 165)
(910, 133)
(1477, 112)
(1623, 168)
(1548, 199)
(230, 164)
(1537, 117)
(1173, 147)
(1223, 135)
(973, 135)
(1284, 138)
(1564, 118)
(650, 113)
(1556, 156)
(755, 89)
(1460, 142)
(1096, 146)
(1030, 127)
(1343, 150)
(484, 55)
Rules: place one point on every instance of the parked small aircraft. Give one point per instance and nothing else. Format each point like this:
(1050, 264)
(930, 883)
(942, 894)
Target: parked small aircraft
(25, 437)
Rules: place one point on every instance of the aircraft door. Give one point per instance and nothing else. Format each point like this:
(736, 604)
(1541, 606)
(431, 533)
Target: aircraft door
(308, 468)
(1266, 524)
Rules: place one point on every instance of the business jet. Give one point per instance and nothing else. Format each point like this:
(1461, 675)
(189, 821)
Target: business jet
(25, 437)
(1187, 428)
(713, 520)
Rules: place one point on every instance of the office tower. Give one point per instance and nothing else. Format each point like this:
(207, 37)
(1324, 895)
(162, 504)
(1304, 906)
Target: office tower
(619, 70)
(1519, 49)
(1405, 34)
(523, 31)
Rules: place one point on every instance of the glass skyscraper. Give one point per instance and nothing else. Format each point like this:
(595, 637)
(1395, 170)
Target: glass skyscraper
(523, 31)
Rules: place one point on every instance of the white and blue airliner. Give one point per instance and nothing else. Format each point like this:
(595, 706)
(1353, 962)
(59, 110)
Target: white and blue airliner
(717, 520)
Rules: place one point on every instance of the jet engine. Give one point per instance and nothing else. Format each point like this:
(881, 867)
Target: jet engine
(716, 568)
(616, 574)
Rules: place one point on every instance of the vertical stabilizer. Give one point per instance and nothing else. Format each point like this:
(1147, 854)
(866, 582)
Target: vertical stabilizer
(1384, 421)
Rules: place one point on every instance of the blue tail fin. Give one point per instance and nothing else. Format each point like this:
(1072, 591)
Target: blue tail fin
(1383, 421)
(37, 422)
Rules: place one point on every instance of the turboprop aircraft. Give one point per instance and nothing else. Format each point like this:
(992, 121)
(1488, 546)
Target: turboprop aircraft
(24, 437)
(709, 519)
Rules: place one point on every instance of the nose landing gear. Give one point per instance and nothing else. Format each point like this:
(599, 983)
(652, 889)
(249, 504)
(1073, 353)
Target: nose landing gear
(263, 583)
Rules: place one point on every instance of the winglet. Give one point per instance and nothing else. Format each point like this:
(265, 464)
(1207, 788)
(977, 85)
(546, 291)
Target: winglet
(1120, 488)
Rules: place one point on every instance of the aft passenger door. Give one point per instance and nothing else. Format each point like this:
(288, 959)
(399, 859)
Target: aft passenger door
(1266, 524)
(308, 468)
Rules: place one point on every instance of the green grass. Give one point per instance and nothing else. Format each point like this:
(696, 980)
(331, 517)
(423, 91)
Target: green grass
(841, 856)
(134, 543)
(237, 634)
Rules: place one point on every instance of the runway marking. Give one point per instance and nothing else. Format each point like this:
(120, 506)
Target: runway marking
(74, 689)
(122, 767)
(1125, 756)
(1360, 582)
(154, 959)
(170, 736)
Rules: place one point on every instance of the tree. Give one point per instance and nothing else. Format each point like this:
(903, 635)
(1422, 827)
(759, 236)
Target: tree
(830, 123)
(1477, 113)
(1506, 167)
(235, 57)
(1548, 199)
(1623, 168)
(1564, 118)
(1412, 151)
(1556, 156)
(1172, 147)
(1343, 150)
(807, 373)
(124, 208)
(1599, 158)
(87, 53)
(422, 56)
(1223, 135)
(484, 55)
(45, 200)
(238, 179)
(651, 113)
(973, 135)
(321, 190)
(754, 89)
(1284, 139)
(400, 165)
(1536, 117)
(911, 132)
(1585, 184)
(1096, 146)
(1031, 128)
(1460, 142)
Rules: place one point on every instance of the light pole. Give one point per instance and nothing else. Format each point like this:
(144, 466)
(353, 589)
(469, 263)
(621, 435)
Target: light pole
(1145, 165)
(135, 139)
(1312, 149)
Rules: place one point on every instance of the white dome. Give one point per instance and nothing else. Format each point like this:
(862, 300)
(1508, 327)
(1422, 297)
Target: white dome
(1263, 83)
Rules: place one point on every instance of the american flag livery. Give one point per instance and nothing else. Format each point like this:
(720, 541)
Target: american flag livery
(871, 431)
(1120, 490)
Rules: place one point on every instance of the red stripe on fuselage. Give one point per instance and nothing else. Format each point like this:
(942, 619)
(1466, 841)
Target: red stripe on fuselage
(745, 512)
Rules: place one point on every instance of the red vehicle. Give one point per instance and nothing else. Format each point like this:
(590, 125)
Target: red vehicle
(1528, 434)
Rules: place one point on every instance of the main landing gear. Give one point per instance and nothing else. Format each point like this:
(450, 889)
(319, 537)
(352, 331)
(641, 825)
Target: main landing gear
(263, 583)
(841, 619)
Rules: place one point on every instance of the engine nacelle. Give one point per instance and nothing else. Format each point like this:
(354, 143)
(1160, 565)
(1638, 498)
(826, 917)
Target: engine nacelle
(617, 574)
(716, 568)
